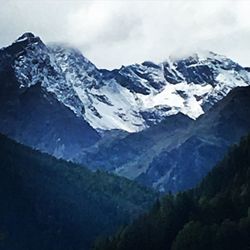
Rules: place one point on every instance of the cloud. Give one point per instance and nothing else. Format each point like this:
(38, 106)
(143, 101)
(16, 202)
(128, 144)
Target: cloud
(115, 33)
(103, 23)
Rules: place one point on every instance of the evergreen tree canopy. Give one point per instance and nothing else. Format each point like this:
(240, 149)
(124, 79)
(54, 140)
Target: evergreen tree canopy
(52, 204)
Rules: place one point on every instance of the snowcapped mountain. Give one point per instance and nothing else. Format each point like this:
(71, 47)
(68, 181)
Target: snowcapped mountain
(54, 99)
(131, 98)
(31, 114)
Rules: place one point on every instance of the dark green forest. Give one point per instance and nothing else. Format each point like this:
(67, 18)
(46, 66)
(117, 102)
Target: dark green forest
(53, 204)
(213, 216)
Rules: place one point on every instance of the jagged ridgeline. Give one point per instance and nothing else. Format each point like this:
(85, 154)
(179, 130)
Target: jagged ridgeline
(215, 215)
(53, 204)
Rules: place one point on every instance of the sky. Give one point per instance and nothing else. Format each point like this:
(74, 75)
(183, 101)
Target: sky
(122, 32)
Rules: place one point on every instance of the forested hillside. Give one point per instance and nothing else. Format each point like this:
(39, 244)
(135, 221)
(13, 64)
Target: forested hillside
(213, 216)
(55, 205)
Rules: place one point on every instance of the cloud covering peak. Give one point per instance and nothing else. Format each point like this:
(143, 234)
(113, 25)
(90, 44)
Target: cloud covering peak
(112, 33)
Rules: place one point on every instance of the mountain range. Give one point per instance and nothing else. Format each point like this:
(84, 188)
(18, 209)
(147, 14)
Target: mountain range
(145, 121)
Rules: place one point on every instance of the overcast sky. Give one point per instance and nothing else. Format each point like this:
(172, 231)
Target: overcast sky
(115, 33)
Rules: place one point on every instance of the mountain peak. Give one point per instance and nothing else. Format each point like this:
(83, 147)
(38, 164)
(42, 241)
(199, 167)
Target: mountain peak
(25, 36)
(28, 38)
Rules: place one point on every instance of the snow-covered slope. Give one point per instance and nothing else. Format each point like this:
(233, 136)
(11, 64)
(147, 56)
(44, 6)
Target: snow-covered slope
(131, 98)
(176, 153)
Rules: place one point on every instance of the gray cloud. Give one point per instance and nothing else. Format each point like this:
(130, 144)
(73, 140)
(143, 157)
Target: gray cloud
(112, 33)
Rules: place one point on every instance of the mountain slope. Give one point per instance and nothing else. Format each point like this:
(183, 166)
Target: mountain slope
(209, 138)
(163, 155)
(130, 154)
(215, 215)
(52, 204)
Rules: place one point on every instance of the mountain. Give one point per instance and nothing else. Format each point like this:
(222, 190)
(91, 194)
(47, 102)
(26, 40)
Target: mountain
(136, 121)
(52, 204)
(175, 154)
(131, 98)
(214, 215)
(138, 96)
(30, 113)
